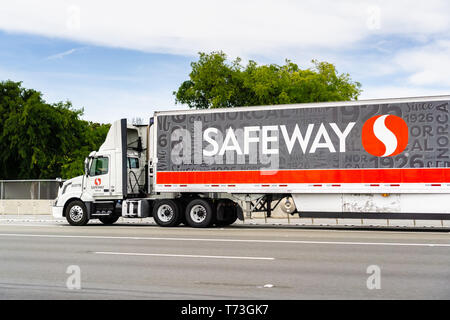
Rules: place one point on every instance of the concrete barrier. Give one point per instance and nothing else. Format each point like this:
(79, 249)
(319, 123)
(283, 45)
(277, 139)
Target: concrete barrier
(26, 207)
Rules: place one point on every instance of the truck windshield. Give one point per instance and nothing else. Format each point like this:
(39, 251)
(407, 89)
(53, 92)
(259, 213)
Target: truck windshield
(99, 166)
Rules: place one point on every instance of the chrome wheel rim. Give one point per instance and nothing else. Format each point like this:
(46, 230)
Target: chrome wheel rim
(76, 213)
(198, 213)
(165, 213)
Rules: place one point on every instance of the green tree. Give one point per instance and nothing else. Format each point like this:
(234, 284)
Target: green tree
(41, 140)
(215, 83)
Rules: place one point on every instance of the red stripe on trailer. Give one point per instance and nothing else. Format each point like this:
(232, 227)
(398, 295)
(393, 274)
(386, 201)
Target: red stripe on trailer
(413, 175)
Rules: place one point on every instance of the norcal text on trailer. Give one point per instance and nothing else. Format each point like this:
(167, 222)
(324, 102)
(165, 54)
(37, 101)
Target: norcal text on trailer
(368, 159)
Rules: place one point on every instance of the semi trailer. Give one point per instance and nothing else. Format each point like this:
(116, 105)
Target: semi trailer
(367, 159)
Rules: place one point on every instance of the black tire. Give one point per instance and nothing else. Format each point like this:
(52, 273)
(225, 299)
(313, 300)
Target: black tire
(109, 220)
(76, 213)
(230, 217)
(182, 204)
(200, 214)
(167, 213)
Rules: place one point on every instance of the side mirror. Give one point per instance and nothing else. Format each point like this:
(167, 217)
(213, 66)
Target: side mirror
(86, 166)
(59, 180)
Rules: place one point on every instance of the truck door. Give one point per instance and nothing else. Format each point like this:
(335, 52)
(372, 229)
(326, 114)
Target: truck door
(98, 181)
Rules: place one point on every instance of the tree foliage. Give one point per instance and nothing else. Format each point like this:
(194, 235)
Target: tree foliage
(215, 83)
(40, 140)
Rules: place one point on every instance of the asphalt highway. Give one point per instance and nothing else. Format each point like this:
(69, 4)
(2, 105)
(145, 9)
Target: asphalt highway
(57, 261)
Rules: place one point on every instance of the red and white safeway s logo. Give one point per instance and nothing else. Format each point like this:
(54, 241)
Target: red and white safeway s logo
(98, 181)
(385, 135)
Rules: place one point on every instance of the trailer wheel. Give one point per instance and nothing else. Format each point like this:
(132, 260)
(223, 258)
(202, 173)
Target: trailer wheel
(76, 213)
(200, 213)
(108, 220)
(166, 213)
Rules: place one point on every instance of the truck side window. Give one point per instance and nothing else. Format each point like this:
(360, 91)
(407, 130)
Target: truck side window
(133, 163)
(99, 166)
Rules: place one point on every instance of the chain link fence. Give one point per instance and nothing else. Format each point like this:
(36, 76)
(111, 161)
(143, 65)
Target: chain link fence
(28, 189)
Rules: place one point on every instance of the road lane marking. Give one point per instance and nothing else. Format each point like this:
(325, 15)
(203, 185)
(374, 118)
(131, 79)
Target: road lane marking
(182, 255)
(405, 244)
(287, 228)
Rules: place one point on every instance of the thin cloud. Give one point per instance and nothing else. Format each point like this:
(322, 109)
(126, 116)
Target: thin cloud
(427, 65)
(61, 54)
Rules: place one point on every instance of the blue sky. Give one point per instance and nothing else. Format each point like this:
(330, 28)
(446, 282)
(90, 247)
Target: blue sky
(109, 83)
(125, 60)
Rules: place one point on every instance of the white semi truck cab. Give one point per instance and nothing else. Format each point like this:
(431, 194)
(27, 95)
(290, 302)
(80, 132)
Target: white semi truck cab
(373, 159)
(119, 181)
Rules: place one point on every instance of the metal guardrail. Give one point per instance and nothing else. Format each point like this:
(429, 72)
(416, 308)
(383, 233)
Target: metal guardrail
(28, 189)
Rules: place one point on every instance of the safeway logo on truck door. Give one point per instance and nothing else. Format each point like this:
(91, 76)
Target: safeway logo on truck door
(98, 181)
(385, 135)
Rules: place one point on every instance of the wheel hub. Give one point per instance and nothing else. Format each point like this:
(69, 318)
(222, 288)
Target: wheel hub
(165, 213)
(198, 213)
(76, 213)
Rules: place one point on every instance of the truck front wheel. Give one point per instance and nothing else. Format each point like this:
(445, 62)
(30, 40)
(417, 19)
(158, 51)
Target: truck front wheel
(76, 213)
(200, 213)
(166, 213)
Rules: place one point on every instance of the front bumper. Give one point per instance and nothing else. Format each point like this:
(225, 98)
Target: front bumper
(57, 212)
